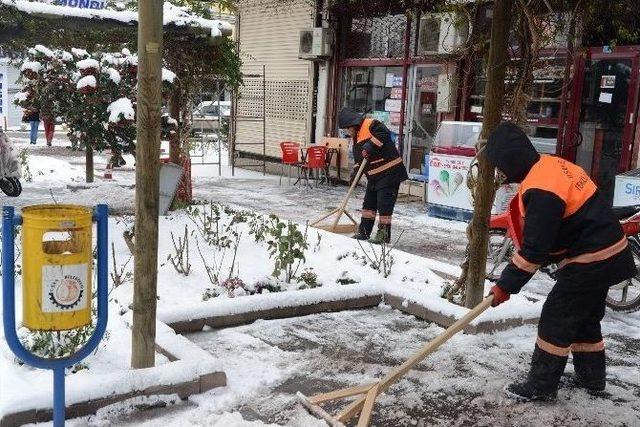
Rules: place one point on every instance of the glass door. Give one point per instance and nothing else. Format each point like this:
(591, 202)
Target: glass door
(422, 118)
(606, 121)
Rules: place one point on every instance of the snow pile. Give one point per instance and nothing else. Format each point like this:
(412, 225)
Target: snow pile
(86, 81)
(121, 109)
(168, 76)
(44, 50)
(21, 96)
(173, 15)
(114, 75)
(31, 66)
(81, 53)
(66, 56)
(88, 63)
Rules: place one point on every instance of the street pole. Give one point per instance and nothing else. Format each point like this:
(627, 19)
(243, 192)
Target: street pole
(148, 123)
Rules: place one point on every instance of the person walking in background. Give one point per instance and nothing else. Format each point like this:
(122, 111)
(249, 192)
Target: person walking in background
(32, 116)
(49, 128)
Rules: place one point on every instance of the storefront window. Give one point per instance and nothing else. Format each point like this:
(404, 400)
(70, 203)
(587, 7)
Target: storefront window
(376, 37)
(376, 91)
(424, 116)
(543, 109)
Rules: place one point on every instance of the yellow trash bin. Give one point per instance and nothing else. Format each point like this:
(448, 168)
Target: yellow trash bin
(56, 267)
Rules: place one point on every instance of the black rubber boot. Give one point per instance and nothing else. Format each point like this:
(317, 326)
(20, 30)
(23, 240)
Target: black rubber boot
(543, 379)
(365, 229)
(591, 371)
(383, 235)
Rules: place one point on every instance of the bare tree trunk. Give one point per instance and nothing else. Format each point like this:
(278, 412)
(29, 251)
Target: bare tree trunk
(485, 190)
(147, 182)
(175, 143)
(88, 155)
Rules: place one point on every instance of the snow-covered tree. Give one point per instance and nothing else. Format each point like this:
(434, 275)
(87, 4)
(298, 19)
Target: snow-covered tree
(94, 94)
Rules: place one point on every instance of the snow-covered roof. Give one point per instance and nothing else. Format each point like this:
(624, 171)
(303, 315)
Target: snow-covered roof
(172, 15)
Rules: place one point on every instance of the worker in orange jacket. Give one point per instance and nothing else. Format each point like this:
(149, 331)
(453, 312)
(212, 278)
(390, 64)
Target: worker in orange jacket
(385, 172)
(566, 221)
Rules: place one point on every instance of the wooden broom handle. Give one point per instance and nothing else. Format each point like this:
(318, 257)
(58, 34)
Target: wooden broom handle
(426, 350)
(343, 207)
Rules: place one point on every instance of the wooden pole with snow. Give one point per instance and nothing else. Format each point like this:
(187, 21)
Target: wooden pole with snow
(485, 191)
(148, 123)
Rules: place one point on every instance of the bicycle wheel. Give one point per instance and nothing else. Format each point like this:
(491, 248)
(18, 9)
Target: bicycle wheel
(499, 253)
(625, 296)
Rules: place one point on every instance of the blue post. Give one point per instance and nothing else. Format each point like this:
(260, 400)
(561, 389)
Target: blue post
(58, 397)
(9, 221)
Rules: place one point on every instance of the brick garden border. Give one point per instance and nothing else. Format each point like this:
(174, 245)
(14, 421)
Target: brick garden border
(200, 383)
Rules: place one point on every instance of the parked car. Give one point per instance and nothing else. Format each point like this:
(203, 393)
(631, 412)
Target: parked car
(208, 114)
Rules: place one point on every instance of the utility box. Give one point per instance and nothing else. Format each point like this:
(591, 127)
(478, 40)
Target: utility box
(57, 264)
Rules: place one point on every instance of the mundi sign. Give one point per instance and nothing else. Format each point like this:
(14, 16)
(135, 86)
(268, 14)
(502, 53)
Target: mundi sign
(82, 4)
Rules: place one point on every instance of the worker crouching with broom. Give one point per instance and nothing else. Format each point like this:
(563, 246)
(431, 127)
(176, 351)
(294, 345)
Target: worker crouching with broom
(567, 221)
(385, 172)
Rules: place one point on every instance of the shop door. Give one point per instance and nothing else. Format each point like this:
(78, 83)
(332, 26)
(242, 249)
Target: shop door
(604, 117)
(422, 118)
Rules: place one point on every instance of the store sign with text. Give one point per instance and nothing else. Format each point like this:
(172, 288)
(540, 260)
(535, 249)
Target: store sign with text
(82, 4)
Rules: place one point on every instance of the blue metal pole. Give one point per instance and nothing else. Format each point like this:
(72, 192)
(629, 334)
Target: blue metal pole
(8, 272)
(58, 397)
(9, 221)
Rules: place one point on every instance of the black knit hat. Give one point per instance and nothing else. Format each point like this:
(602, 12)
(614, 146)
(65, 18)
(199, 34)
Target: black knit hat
(348, 118)
(510, 150)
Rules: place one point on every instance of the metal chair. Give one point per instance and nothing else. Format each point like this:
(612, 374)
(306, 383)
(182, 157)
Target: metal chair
(290, 157)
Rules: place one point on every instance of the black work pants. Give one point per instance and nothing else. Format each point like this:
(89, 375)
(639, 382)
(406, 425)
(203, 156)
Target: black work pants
(571, 316)
(382, 201)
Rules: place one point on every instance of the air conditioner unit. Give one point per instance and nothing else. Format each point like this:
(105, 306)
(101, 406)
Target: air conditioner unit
(315, 43)
(441, 33)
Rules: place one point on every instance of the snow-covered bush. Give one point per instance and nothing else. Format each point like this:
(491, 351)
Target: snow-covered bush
(308, 279)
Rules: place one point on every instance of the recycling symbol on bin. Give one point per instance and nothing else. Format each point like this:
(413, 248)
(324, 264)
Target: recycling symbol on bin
(66, 293)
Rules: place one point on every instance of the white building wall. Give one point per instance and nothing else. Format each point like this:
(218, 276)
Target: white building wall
(269, 35)
(11, 115)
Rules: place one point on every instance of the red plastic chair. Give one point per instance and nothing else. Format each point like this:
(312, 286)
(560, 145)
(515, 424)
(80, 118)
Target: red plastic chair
(316, 160)
(290, 157)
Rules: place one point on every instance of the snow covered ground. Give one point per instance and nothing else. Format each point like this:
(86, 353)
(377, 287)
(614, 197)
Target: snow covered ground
(268, 361)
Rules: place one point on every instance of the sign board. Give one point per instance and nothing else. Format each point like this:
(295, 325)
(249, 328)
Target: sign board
(170, 175)
(81, 4)
(396, 93)
(608, 82)
(64, 288)
(627, 189)
(447, 184)
(393, 105)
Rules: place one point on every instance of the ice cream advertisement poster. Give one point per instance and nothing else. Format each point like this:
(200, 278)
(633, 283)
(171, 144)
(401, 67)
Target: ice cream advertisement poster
(448, 187)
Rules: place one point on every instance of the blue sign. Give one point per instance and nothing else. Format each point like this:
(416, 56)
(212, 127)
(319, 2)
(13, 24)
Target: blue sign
(82, 4)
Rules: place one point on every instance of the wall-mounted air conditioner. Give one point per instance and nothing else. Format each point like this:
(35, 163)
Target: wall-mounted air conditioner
(442, 33)
(315, 43)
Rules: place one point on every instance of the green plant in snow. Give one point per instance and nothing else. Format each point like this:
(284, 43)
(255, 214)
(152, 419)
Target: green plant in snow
(287, 245)
(308, 279)
(23, 157)
(345, 279)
